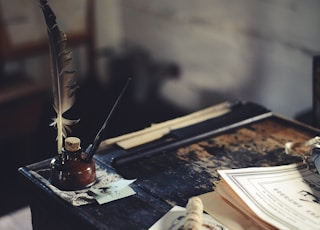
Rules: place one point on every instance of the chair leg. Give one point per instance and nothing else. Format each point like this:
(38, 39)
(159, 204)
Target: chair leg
(316, 90)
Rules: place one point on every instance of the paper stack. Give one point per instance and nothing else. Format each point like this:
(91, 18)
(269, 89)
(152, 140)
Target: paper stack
(279, 197)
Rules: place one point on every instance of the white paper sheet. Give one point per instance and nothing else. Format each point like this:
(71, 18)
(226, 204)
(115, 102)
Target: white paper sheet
(173, 220)
(287, 197)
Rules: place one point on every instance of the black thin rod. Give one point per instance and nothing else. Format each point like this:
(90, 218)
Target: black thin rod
(93, 147)
(163, 147)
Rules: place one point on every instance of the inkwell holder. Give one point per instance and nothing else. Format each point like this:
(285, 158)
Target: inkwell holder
(71, 170)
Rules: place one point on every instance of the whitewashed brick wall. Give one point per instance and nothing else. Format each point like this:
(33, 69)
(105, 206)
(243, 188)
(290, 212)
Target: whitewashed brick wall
(258, 50)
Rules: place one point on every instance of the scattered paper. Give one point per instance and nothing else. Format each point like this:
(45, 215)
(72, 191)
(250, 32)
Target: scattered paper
(109, 187)
(116, 195)
(113, 191)
(174, 220)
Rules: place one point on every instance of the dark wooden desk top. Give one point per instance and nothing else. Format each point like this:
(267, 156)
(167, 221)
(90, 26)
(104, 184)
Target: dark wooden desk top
(248, 136)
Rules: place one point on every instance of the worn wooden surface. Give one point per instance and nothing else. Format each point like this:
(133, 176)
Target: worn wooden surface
(191, 170)
(171, 177)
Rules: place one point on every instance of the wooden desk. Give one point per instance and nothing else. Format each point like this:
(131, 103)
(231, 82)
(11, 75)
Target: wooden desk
(248, 136)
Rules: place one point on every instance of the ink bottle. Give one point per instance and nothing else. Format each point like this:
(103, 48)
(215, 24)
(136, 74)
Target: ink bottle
(70, 170)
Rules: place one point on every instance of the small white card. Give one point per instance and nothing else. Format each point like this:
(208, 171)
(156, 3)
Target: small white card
(115, 195)
(113, 191)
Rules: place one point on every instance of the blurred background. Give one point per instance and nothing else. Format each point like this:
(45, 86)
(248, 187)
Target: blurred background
(182, 56)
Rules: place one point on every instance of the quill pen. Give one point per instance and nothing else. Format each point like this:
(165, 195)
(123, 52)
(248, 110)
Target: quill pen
(63, 81)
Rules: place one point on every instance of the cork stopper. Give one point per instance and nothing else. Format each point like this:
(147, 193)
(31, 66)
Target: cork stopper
(72, 144)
